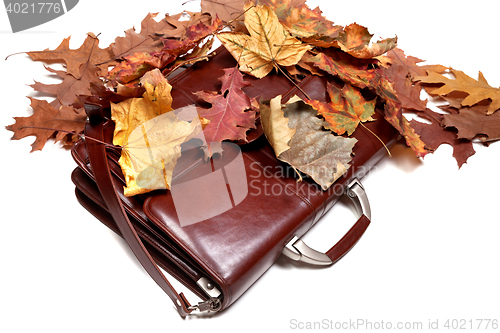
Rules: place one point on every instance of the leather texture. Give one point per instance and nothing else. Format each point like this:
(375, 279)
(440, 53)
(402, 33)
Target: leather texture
(235, 248)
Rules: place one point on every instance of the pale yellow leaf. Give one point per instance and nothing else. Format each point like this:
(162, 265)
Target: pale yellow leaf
(275, 126)
(269, 45)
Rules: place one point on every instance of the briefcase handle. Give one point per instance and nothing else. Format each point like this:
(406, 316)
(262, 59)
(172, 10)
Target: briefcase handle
(297, 250)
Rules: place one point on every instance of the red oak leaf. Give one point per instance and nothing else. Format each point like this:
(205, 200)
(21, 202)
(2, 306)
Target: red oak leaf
(231, 114)
(434, 135)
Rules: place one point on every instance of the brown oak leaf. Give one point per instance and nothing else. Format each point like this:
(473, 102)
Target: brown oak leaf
(474, 122)
(225, 10)
(89, 53)
(434, 135)
(149, 38)
(67, 91)
(477, 90)
(51, 119)
(401, 70)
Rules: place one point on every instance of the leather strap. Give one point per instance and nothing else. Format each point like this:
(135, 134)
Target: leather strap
(99, 164)
(346, 243)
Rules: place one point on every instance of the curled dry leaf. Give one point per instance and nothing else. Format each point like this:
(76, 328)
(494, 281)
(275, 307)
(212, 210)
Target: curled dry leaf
(172, 52)
(355, 40)
(434, 135)
(275, 125)
(478, 90)
(319, 154)
(149, 38)
(269, 45)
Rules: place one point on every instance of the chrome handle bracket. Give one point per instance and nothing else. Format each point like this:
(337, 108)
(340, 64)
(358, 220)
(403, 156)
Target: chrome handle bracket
(297, 250)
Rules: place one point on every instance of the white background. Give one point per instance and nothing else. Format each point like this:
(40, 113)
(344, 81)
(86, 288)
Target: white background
(431, 253)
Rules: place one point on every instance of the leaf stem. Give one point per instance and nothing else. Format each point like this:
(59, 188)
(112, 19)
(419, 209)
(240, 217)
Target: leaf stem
(379, 139)
(83, 136)
(289, 78)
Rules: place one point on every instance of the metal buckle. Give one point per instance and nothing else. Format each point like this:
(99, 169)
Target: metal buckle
(213, 303)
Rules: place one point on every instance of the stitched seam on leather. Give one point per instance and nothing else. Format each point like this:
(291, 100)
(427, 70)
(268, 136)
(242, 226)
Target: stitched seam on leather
(228, 294)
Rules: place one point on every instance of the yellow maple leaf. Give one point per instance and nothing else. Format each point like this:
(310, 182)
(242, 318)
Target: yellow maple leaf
(150, 136)
(149, 159)
(132, 112)
(268, 46)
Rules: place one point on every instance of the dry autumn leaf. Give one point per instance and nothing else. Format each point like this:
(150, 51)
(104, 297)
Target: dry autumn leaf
(401, 70)
(346, 109)
(356, 72)
(472, 122)
(345, 67)
(434, 135)
(275, 125)
(225, 10)
(45, 115)
(268, 46)
(300, 20)
(478, 90)
(355, 40)
(132, 112)
(231, 114)
(149, 38)
(89, 53)
(148, 159)
(150, 135)
(67, 91)
(319, 154)
(134, 65)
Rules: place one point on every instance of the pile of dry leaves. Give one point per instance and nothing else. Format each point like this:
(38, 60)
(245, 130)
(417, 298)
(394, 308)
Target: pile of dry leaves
(266, 36)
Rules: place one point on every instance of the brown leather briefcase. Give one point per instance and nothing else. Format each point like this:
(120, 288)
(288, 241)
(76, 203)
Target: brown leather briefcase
(222, 256)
